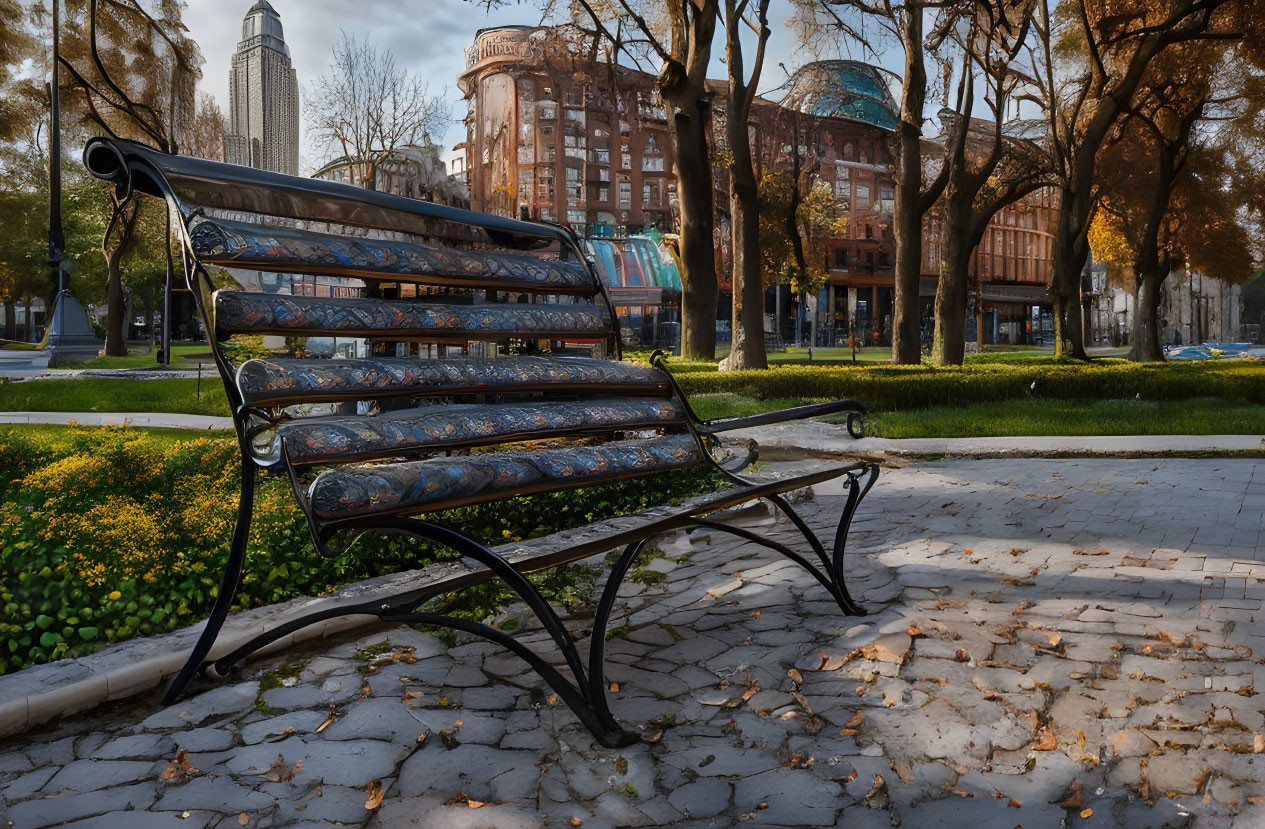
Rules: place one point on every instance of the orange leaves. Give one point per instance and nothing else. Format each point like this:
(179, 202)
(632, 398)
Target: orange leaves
(179, 768)
(1046, 741)
(373, 795)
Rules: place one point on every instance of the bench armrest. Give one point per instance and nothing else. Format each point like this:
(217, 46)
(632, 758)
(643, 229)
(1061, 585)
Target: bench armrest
(795, 413)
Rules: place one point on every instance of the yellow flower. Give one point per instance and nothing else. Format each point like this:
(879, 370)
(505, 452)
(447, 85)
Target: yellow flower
(114, 596)
(505, 533)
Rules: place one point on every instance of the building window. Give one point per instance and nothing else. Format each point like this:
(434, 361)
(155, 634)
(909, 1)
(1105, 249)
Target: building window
(652, 164)
(625, 161)
(603, 174)
(546, 111)
(603, 194)
(863, 196)
(602, 155)
(652, 144)
(869, 231)
(625, 193)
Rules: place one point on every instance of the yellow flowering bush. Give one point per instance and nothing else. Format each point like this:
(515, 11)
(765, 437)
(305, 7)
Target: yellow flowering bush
(109, 533)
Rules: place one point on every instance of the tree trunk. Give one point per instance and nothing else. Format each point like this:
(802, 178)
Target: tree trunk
(748, 302)
(1146, 346)
(1071, 246)
(948, 344)
(694, 196)
(907, 212)
(10, 321)
(115, 331)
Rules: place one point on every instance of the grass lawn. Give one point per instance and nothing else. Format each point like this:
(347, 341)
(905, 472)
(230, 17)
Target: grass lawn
(996, 398)
(1012, 418)
(108, 394)
(182, 356)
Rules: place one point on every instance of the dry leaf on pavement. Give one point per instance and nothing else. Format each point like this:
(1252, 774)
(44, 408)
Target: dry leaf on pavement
(373, 794)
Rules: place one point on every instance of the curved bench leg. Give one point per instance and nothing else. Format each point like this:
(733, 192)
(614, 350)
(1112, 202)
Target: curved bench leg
(833, 564)
(230, 580)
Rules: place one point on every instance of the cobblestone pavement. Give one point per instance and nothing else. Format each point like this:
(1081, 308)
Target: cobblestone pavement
(1052, 643)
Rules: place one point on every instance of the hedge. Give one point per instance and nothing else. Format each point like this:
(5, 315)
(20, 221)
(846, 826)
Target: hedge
(110, 533)
(895, 388)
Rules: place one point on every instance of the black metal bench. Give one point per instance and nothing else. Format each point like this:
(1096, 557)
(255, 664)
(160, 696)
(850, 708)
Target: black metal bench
(548, 405)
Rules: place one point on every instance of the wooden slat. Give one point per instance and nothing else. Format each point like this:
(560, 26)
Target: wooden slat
(283, 381)
(442, 483)
(249, 312)
(232, 244)
(432, 428)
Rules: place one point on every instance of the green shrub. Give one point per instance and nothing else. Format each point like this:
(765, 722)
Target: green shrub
(242, 347)
(111, 533)
(896, 388)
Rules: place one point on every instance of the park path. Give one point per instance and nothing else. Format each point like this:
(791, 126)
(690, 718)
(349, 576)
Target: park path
(1051, 642)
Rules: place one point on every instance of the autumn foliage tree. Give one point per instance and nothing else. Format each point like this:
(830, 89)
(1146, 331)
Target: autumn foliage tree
(130, 74)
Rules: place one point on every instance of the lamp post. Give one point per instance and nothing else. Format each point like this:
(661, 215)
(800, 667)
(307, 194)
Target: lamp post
(56, 241)
(69, 338)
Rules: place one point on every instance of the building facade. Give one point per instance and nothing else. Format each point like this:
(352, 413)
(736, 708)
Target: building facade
(263, 94)
(557, 135)
(412, 171)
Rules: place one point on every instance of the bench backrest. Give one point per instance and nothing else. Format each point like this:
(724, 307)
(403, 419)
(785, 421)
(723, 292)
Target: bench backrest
(471, 330)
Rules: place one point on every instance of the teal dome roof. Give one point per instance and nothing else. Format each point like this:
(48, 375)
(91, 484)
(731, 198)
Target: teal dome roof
(844, 89)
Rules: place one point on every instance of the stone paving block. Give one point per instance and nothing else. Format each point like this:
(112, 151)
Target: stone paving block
(225, 699)
(51, 811)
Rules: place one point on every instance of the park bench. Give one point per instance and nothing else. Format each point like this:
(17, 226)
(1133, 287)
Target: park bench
(538, 401)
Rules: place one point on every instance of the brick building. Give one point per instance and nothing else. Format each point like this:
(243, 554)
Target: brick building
(556, 132)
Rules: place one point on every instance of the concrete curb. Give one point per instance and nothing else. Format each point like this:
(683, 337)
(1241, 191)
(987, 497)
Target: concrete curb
(149, 420)
(819, 438)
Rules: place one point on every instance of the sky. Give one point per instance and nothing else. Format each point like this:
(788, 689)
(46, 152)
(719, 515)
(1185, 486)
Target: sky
(429, 37)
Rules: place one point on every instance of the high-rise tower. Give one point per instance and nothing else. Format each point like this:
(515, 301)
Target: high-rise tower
(263, 97)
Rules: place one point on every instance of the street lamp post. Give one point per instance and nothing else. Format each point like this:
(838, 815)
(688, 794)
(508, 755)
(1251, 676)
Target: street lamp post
(69, 338)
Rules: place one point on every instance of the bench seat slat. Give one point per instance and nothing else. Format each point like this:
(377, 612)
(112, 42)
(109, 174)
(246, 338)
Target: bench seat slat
(342, 439)
(235, 244)
(439, 483)
(252, 312)
(283, 381)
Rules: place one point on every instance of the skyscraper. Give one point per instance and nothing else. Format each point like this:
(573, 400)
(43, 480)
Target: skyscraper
(263, 97)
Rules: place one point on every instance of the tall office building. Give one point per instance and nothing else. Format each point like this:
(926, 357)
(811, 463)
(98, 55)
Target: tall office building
(263, 97)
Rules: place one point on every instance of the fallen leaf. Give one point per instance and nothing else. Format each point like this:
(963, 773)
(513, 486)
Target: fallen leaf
(1073, 800)
(280, 771)
(575, 821)
(421, 738)
(755, 613)
(1046, 742)
(855, 720)
(408, 697)
(914, 630)
(1087, 813)
(457, 724)
(243, 819)
(877, 790)
(750, 692)
(1258, 744)
(179, 767)
(795, 675)
(475, 804)
(373, 794)
(366, 691)
(614, 687)
(848, 732)
(961, 656)
(1055, 638)
(332, 716)
(968, 551)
